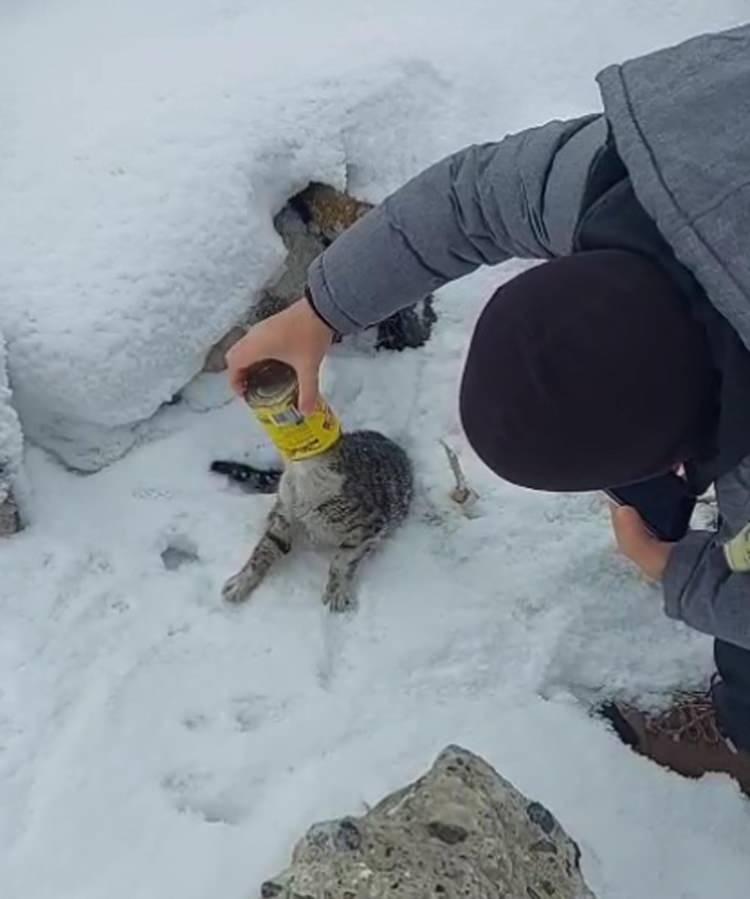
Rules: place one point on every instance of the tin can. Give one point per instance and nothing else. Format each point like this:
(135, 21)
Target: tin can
(272, 394)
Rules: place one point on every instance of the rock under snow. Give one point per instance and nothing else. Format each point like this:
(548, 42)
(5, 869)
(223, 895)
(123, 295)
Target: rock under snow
(461, 830)
(11, 448)
(309, 222)
(136, 238)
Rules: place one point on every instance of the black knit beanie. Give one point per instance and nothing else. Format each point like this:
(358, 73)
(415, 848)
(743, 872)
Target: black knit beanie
(588, 372)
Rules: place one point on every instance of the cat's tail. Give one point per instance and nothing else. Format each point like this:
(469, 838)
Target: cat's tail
(253, 480)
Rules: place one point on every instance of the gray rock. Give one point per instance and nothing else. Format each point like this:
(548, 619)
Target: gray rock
(10, 519)
(215, 361)
(11, 454)
(459, 831)
(309, 222)
(303, 243)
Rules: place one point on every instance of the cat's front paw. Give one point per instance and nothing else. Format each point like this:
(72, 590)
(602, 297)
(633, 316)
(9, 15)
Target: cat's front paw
(339, 600)
(239, 587)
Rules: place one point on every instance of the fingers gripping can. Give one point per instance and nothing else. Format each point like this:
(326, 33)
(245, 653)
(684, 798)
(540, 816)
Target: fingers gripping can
(272, 393)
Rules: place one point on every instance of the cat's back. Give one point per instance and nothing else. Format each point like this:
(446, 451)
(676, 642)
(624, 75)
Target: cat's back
(363, 447)
(376, 470)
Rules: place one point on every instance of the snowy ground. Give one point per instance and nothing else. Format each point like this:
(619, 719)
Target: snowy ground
(154, 743)
(158, 744)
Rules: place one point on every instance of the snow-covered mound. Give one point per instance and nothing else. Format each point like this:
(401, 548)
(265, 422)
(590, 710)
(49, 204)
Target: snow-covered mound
(140, 239)
(145, 148)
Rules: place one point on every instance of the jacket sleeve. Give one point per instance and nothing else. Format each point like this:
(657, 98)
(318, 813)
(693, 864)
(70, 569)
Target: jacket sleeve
(519, 197)
(701, 590)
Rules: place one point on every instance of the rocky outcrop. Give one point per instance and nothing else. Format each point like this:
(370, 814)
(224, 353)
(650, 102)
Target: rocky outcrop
(307, 224)
(11, 449)
(328, 211)
(459, 831)
(10, 519)
(215, 361)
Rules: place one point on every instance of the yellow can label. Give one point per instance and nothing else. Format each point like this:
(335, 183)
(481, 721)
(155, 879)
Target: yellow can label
(297, 436)
(737, 551)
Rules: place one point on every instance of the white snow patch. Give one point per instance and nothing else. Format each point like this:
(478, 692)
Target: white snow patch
(157, 743)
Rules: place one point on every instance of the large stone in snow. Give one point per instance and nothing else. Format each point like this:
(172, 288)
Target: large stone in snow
(459, 831)
(11, 451)
(309, 222)
(10, 519)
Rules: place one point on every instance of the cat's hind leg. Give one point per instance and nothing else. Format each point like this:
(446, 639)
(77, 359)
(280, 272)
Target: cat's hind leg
(339, 592)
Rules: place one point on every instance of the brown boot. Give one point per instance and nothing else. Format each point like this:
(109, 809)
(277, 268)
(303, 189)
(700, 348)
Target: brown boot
(685, 738)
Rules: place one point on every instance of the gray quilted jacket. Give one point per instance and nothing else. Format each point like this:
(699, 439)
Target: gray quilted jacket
(681, 122)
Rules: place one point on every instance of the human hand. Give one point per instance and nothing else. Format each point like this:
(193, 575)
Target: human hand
(636, 542)
(297, 336)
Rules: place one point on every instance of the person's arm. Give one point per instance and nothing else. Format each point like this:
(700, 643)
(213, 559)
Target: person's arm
(698, 585)
(483, 205)
(701, 589)
(519, 197)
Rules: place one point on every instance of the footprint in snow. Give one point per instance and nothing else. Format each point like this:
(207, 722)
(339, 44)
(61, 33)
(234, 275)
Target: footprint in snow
(179, 551)
(194, 793)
